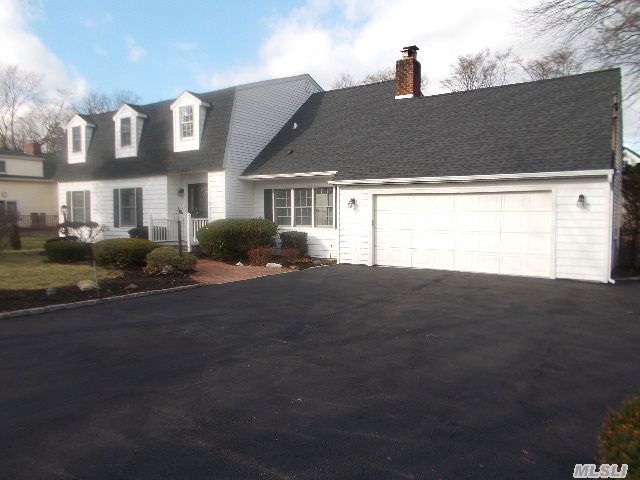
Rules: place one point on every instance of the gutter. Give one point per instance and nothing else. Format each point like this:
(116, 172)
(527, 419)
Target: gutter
(329, 173)
(475, 178)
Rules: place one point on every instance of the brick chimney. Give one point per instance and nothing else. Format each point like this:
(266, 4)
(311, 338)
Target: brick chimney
(408, 75)
(32, 148)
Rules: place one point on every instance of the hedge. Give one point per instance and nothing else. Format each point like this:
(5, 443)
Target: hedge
(122, 252)
(65, 250)
(619, 440)
(166, 260)
(231, 238)
(294, 239)
(139, 232)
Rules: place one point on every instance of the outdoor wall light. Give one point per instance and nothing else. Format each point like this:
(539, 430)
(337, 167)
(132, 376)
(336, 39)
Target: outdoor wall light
(181, 192)
(582, 201)
(65, 210)
(352, 203)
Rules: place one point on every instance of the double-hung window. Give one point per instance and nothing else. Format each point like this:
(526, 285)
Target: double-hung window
(300, 207)
(125, 132)
(79, 204)
(127, 207)
(282, 206)
(76, 140)
(186, 121)
(8, 212)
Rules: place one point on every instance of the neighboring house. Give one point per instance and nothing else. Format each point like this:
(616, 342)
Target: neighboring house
(146, 163)
(27, 190)
(630, 157)
(519, 179)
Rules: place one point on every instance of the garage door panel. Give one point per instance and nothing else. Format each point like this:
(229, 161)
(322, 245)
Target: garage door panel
(507, 233)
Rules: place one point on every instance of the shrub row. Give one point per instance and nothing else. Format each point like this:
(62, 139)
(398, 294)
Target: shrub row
(65, 250)
(619, 440)
(122, 252)
(165, 260)
(230, 239)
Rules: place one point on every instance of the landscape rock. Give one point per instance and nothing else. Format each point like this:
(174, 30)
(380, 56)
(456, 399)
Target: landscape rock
(273, 265)
(317, 263)
(239, 264)
(86, 285)
(131, 286)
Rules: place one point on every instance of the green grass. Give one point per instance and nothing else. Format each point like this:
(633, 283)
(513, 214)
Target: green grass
(35, 242)
(30, 270)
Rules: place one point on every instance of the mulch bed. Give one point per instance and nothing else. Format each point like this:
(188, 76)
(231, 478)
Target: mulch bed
(131, 281)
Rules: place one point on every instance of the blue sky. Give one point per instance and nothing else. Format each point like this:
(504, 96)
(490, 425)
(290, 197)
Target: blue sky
(159, 48)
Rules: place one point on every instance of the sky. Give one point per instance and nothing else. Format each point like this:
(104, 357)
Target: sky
(159, 48)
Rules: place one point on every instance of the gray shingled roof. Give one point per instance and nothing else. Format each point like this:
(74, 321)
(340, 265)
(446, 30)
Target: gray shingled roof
(155, 153)
(363, 132)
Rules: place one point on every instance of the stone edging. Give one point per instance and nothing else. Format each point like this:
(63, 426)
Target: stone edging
(94, 301)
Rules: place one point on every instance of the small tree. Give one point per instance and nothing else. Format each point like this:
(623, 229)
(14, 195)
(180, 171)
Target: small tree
(479, 70)
(86, 232)
(558, 63)
(631, 194)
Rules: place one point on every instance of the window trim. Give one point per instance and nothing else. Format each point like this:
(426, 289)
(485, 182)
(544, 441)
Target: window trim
(183, 123)
(134, 208)
(122, 132)
(292, 207)
(77, 129)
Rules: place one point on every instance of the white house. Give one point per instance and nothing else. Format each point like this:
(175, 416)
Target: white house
(123, 169)
(521, 179)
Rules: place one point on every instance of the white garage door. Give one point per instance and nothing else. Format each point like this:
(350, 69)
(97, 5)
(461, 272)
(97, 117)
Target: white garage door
(507, 233)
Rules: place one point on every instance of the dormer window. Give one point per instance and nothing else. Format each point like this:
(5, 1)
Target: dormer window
(125, 132)
(79, 132)
(76, 139)
(186, 121)
(128, 122)
(189, 112)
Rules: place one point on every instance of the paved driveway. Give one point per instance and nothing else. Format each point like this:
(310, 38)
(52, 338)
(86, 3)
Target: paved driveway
(342, 372)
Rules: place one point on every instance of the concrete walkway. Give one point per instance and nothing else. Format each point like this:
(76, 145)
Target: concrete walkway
(212, 272)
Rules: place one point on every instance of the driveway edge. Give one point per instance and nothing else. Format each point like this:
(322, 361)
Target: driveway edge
(95, 301)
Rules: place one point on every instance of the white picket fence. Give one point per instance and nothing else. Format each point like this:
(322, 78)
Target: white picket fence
(165, 230)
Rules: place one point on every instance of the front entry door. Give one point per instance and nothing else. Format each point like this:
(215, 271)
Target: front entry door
(198, 199)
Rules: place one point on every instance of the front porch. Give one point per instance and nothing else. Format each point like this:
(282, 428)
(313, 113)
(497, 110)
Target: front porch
(180, 230)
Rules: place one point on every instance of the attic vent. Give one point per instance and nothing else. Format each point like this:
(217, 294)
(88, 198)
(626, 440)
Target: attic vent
(295, 125)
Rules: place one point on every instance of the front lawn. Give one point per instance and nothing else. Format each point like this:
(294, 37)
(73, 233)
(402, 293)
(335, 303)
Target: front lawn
(30, 270)
(36, 241)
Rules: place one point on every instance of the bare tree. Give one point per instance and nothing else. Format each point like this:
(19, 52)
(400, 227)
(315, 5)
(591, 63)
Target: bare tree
(99, 102)
(20, 90)
(558, 63)
(479, 70)
(45, 122)
(345, 79)
(608, 31)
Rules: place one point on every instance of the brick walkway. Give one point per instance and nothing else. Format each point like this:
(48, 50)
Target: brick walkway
(214, 273)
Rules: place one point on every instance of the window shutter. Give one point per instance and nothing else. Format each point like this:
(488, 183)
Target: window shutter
(116, 208)
(87, 205)
(139, 220)
(70, 207)
(268, 204)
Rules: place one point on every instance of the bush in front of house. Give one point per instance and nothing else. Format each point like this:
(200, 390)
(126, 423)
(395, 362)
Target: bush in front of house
(165, 260)
(619, 440)
(231, 238)
(122, 252)
(260, 256)
(294, 239)
(64, 250)
(14, 237)
(139, 232)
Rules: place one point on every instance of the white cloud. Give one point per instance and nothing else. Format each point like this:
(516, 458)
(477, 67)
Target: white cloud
(95, 22)
(135, 51)
(185, 46)
(101, 52)
(326, 37)
(25, 49)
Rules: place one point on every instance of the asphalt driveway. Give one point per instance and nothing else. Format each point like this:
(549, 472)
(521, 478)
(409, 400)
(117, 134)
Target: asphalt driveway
(342, 372)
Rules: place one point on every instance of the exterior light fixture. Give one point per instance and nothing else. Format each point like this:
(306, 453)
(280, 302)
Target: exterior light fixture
(181, 192)
(65, 210)
(582, 201)
(352, 203)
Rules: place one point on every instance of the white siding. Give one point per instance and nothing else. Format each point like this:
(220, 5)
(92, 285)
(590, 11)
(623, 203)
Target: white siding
(86, 132)
(323, 242)
(216, 188)
(154, 199)
(581, 235)
(259, 112)
(199, 113)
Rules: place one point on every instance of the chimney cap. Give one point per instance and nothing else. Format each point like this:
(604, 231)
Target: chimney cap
(410, 52)
(411, 48)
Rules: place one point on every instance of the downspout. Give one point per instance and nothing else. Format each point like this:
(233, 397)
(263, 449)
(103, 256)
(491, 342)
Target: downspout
(615, 140)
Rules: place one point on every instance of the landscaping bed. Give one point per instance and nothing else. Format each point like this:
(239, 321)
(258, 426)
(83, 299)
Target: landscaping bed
(130, 281)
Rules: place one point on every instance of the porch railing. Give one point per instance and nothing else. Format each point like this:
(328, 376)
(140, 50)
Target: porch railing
(165, 230)
(34, 220)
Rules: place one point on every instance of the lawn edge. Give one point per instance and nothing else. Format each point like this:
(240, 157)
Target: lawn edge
(94, 301)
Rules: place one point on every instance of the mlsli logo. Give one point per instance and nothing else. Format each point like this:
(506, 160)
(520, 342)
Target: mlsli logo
(606, 470)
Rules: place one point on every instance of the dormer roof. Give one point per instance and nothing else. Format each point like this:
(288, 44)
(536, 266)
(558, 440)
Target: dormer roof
(86, 119)
(195, 99)
(133, 110)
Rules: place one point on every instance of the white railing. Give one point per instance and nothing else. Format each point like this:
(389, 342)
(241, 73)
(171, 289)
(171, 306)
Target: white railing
(165, 230)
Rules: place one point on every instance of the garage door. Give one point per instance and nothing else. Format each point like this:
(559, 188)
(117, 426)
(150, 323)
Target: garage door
(507, 233)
